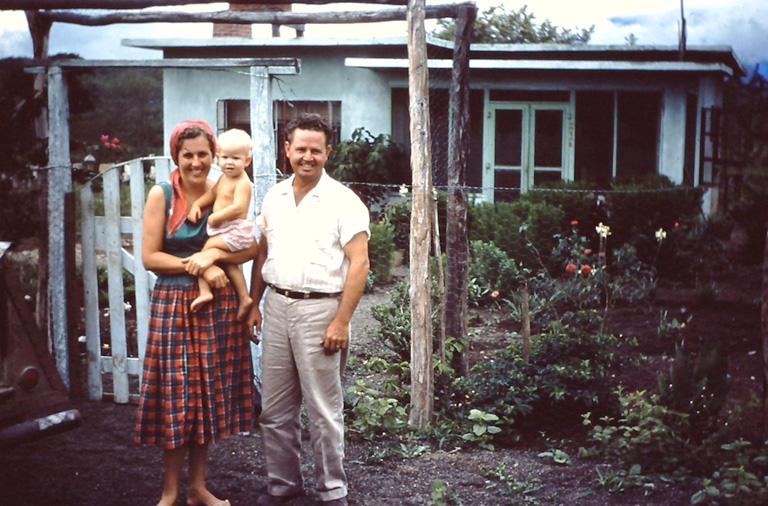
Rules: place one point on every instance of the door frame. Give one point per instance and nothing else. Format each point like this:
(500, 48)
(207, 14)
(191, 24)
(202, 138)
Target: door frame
(528, 142)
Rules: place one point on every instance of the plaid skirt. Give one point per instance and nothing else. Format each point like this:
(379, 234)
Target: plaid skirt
(197, 383)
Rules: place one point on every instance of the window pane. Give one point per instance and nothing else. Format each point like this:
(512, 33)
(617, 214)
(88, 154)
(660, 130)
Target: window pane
(504, 179)
(509, 137)
(548, 138)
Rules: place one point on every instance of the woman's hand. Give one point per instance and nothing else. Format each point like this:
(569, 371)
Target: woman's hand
(200, 262)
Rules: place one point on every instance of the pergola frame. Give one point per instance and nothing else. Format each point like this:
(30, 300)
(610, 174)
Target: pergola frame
(42, 13)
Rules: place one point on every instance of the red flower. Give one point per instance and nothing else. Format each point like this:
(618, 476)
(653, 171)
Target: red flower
(107, 145)
(586, 269)
(105, 138)
(587, 251)
(574, 223)
(116, 141)
(114, 145)
(677, 224)
(495, 294)
(601, 254)
(570, 268)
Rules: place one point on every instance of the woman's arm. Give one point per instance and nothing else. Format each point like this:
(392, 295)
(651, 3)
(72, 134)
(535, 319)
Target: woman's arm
(199, 262)
(154, 223)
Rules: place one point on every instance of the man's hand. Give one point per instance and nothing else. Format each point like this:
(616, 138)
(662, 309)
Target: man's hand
(253, 324)
(336, 336)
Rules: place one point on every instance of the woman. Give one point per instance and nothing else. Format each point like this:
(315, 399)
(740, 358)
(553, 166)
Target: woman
(197, 382)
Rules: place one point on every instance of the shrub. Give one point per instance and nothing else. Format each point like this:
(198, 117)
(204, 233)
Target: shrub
(491, 271)
(381, 250)
(367, 159)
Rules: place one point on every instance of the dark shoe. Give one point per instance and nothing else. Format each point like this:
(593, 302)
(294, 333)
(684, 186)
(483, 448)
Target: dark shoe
(267, 499)
(342, 501)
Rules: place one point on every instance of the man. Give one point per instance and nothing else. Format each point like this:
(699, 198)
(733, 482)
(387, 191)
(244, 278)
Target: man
(313, 254)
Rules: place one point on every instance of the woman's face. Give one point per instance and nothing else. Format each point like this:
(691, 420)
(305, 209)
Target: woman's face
(195, 159)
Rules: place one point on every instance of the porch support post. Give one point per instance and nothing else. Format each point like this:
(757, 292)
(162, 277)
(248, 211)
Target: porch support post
(59, 183)
(263, 164)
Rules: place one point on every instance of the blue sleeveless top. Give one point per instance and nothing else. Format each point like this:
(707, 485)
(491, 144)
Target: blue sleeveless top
(188, 239)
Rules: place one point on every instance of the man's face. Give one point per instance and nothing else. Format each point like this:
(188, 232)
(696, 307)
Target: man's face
(307, 153)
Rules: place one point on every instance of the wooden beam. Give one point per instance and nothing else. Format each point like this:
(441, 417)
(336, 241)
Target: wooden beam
(141, 4)
(283, 66)
(249, 17)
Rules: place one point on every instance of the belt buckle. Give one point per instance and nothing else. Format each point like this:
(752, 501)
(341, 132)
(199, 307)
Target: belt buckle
(305, 295)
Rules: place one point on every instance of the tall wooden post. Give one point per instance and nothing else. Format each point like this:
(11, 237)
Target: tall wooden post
(456, 243)
(422, 385)
(59, 183)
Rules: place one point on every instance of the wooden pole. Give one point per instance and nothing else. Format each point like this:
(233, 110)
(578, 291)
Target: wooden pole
(456, 242)
(59, 183)
(73, 299)
(141, 4)
(422, 386)
(764, 329)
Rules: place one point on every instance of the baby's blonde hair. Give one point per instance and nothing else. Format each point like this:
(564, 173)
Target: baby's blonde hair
(237, 137)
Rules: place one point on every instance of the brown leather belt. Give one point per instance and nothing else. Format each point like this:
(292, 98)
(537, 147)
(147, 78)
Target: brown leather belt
(302, 295)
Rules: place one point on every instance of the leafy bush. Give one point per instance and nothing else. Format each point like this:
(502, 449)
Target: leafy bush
(491, 271)
(367, 159)
(381, 250)
(565, 375)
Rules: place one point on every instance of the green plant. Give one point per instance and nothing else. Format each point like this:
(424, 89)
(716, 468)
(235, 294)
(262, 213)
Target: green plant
(741, 479)
(557, 456)
(697, 386)
(669, 330)
(494, 275)
(398, 214)
(363, 159)
(371, 415)
(519, 492)
(483, 428)
(442, 495)
(381, 250)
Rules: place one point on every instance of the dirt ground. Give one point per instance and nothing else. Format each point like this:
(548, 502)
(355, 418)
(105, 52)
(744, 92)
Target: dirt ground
(97, 464)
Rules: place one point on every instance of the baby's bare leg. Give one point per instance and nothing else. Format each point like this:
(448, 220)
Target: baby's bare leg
(206, 295)
(237, 278)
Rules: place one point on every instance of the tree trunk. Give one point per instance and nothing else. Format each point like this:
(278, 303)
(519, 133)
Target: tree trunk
(456, 243)
(422, 386)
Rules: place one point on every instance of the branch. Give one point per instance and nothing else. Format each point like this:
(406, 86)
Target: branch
(141, 4)
(249, 17)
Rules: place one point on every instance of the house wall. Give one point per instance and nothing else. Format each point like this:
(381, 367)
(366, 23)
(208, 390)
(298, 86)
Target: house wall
(364, 94)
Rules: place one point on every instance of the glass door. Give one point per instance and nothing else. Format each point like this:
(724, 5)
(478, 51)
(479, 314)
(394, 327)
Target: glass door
(525, 145)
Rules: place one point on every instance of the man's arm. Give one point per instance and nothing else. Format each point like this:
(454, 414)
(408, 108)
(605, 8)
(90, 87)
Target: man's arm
(253, 319)
(336, 336)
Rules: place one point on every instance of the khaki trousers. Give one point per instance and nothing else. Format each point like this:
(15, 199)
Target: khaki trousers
(295, 365)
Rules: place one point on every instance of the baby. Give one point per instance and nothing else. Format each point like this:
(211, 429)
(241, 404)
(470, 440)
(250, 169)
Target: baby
(229, 227)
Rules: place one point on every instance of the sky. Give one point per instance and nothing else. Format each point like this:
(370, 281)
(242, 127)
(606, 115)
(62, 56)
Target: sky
(741, 24)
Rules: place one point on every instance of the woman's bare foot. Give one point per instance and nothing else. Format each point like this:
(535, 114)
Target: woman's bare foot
(200, 301)
(167, 499)
(204, 498)
(245, 307)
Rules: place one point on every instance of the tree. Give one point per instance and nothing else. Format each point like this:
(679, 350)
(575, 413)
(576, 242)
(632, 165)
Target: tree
(497, 26)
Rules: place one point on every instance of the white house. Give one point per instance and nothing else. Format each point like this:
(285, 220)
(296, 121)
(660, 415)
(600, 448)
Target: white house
(539, 112)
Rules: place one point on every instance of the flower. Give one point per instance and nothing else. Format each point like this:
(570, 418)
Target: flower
(570, 268)
(603, 230)
(661, 235)
(574, 223)
(495, 294)
(587, 251)
(403, 191)
(586, 269)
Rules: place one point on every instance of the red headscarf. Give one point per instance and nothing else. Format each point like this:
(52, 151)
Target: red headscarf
(178, 212)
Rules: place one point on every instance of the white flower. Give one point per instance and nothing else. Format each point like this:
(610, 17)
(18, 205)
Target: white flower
(661, 235)
(603, 230)
(403, 191)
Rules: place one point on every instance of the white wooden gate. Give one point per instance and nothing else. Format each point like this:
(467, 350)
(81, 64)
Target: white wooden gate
(106, 233)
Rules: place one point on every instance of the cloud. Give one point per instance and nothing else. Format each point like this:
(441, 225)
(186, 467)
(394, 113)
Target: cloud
(740, 24)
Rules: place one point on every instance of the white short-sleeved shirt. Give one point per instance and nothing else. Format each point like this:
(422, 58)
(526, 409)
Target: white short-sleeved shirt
(305, 243)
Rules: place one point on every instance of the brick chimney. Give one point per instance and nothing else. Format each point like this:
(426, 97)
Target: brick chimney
(242, 30)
